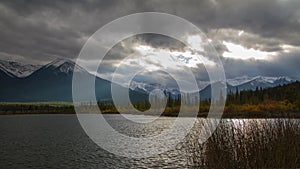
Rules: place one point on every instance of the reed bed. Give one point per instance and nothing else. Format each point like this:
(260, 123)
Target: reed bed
(252, 143)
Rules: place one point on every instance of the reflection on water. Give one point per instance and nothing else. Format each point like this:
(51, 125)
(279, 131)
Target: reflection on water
(58, 141)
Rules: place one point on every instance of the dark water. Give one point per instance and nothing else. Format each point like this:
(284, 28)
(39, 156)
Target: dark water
(58, 141)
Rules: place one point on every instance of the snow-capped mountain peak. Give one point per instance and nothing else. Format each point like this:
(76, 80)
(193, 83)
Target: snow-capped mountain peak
(239, 80)
(57, 62)
(148, 87)
(272, 79)
(16, 69)
(65, 66)
(258, 79)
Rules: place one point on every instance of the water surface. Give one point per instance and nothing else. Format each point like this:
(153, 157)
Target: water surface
(58, 141)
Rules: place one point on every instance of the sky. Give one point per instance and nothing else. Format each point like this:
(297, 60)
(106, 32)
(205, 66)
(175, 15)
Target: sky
(257, 37)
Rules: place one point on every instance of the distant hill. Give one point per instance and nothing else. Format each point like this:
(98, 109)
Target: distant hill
(290, 92)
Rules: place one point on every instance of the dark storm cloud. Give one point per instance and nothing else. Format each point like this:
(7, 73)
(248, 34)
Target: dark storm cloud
(161, 41)
(42, 30)
(245, 39)
(267, 18)
(286, 64)
(124, 48)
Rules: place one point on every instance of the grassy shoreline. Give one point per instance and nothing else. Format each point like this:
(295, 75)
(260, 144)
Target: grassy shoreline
(14, 108)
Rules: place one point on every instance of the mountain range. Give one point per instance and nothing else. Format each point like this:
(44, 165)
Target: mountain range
(238, 83)
(53, 82)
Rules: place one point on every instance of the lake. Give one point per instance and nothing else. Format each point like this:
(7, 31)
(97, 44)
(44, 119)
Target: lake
(58, 141)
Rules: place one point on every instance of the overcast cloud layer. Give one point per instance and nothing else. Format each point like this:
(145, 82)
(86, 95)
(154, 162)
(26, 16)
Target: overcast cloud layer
(40, 31)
